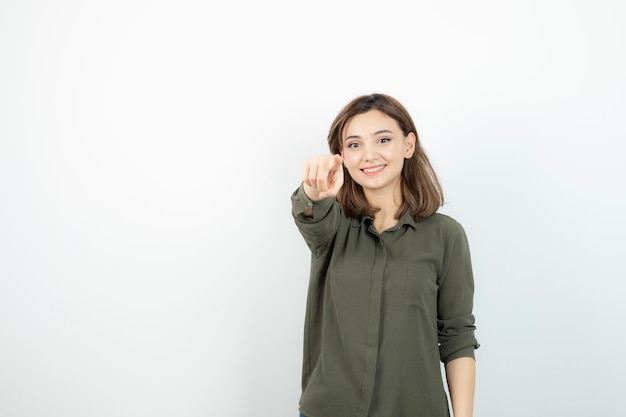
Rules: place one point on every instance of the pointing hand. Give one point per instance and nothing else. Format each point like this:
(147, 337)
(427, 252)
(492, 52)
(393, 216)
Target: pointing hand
(322, 176)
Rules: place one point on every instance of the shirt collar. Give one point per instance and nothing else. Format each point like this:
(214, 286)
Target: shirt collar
(406, 219)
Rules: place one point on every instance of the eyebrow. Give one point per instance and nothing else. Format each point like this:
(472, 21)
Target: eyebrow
(375, 134)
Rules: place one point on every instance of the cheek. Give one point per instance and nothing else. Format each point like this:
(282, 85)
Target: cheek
(351, 165)
(399, 153)
(348, 160)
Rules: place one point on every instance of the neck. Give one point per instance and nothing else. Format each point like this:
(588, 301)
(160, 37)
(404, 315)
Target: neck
(388, 202)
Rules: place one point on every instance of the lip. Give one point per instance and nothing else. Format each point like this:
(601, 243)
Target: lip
(373, 170)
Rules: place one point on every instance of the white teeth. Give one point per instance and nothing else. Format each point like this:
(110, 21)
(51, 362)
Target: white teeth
(370, 170)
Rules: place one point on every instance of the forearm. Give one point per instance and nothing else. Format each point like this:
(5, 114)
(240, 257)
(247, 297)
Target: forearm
(461, 376)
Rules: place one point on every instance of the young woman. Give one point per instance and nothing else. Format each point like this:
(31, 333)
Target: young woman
(391, 288)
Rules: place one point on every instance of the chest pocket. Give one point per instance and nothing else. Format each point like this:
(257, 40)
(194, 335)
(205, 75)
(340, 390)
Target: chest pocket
(421, 289)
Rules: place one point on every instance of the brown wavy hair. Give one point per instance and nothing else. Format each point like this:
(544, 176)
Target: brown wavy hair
(422, 194)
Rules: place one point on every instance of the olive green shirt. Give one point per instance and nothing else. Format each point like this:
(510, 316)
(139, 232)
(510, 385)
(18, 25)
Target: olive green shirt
(383, 309)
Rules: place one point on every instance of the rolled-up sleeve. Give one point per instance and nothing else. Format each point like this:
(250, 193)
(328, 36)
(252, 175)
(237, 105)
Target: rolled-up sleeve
(322, 226)
(455, 319)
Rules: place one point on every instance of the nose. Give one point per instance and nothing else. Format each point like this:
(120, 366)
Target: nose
(369, 152)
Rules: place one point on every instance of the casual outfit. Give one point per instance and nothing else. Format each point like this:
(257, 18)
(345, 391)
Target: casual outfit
(383, 309)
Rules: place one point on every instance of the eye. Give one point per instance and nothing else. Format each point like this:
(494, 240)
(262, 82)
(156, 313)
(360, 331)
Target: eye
(352, 145)
(384, 140)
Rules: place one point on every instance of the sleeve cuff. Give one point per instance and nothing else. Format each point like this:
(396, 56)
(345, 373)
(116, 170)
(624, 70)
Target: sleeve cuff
(460, 346)
(300, 203)
(467, 352)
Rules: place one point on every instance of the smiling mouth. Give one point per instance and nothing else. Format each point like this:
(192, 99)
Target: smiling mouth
(373, 170)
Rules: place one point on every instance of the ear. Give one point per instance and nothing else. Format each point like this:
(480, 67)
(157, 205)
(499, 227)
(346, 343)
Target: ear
(410, 141)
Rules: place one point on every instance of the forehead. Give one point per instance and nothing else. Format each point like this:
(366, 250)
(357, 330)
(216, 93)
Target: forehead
(369, 123)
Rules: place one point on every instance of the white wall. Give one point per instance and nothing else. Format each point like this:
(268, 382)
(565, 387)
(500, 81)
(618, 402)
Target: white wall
(149, 265)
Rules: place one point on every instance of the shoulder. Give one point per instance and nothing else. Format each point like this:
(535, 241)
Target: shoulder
(442, 224)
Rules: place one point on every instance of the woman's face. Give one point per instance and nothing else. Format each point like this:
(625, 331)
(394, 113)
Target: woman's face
(374, 149)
